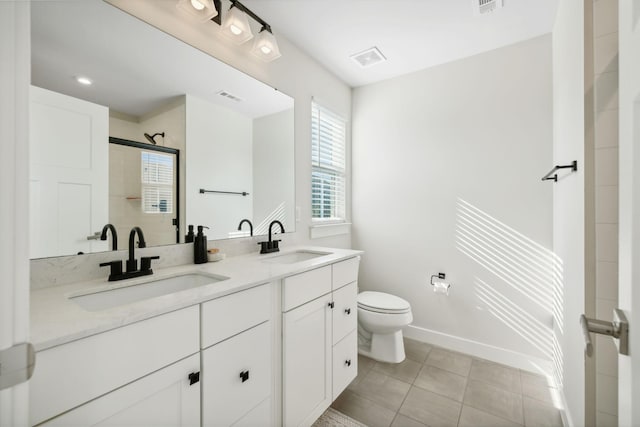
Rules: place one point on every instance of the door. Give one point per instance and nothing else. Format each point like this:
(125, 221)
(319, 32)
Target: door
(629, 205)
(69, 174)
(306, 362)
(14, 200)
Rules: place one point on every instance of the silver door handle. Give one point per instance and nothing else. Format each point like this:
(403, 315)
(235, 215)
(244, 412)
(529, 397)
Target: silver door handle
(95, 236)
(618, 329)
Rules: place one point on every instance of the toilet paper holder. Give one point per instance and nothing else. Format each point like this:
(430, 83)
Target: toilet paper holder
(439, 276)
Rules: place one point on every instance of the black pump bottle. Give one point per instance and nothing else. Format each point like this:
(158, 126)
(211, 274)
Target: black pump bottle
(189, 236)
(200, 255)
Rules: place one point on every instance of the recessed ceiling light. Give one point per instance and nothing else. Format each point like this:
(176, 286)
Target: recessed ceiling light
(369, 57)
(84, 80)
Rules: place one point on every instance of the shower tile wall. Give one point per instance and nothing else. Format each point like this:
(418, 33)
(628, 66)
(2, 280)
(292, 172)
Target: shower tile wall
(606, 202)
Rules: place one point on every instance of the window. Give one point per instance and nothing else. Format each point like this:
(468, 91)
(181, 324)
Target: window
(328, 132)
(157, 183)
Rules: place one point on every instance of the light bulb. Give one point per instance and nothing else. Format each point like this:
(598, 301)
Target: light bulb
(235, 30)
(197, 5)
(266, 50)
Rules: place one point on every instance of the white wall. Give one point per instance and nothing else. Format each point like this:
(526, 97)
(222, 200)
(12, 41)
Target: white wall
(569, 202)
(219, 158)
(295, 74)
(273, 176)
(446, 178)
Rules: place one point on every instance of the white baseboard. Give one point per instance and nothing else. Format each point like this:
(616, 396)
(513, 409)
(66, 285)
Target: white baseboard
(483, 351)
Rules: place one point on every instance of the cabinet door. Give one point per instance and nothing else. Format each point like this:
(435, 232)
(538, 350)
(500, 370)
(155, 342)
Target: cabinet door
(164, 398)
(345, 362)
(306, 362)
(236, 377)
(345, 311)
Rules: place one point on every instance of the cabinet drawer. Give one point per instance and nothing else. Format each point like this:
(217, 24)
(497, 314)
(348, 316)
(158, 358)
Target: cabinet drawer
(345, 311)
(345, 272)
(226, 397)
(345, 363)
(305, 287)
(163, 398)
(71, 374)
(232, 314)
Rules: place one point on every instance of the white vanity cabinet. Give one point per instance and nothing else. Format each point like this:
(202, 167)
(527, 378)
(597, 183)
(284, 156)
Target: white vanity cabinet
(69, 375)
(237, 359)
(319, 349)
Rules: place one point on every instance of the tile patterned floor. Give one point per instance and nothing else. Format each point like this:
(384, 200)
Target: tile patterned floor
(437, 387)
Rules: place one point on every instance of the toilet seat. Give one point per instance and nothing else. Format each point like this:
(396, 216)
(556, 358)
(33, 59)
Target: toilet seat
(380, 302)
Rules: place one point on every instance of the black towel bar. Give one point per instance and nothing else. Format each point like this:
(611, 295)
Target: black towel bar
(554, 178)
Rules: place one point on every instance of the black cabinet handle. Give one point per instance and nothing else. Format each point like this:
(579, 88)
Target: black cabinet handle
(244, 375)
(347, 362)
(194, 377)
(331, 304)
(347, 310)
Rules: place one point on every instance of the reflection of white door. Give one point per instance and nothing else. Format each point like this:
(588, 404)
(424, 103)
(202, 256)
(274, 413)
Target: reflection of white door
(69, 173)
(14, 262)
(629, 234)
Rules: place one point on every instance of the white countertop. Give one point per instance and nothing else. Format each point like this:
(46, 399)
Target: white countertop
(56, 319)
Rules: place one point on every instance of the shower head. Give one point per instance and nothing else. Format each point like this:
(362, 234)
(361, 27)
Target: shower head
(152, 138)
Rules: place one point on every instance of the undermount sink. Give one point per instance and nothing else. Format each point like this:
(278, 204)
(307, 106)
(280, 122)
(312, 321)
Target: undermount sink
(113, 297)
(293, 257)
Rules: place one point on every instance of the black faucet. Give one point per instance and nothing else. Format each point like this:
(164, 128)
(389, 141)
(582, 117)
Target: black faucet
(132, 263)
(271, 245)
(114, 236)
(250, 226)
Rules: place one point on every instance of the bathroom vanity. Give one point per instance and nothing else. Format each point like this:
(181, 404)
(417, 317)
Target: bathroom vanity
(271, 340)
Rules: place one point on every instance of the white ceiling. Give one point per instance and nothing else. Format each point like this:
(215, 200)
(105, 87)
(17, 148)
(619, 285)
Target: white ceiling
(135, 67)
(412, 34)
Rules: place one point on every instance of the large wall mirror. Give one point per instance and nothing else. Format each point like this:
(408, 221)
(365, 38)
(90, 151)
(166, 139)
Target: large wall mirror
(193, 140)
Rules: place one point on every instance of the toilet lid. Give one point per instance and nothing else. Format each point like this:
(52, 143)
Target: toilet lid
(382, 303)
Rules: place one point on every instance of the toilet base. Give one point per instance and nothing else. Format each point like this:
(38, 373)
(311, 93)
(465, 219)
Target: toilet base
(387, 348)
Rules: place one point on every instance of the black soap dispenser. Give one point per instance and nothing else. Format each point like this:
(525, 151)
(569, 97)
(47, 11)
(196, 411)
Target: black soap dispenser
(200, 255)
(190, 236)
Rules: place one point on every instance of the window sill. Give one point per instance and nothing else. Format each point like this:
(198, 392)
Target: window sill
(318, 231)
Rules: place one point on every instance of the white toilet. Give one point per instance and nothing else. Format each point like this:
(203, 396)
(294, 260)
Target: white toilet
(381, 318)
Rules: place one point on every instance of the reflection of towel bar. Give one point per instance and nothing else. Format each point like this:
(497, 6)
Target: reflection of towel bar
(242, 193)
(554, 178)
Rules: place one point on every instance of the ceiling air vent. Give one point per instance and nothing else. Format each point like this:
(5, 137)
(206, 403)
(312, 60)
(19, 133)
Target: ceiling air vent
(481, 7)
(369, 57)
(229, 95)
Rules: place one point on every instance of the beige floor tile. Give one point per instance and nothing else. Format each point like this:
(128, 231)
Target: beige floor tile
(501, 376)
(364, 366)
(539, 414)
(472, 417)
(494, 400)
(382, 389)
(538, 387)
(363, 410)
(402, 421)
(416, 350)
(442, 382)
(430, 408)
(406, 371)
(449, 361)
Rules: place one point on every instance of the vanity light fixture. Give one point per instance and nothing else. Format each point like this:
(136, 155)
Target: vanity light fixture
(235, 24)
(201, 9)
(265, 46)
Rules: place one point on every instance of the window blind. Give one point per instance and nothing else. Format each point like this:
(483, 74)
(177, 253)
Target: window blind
(328, 164)
(157, 182)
